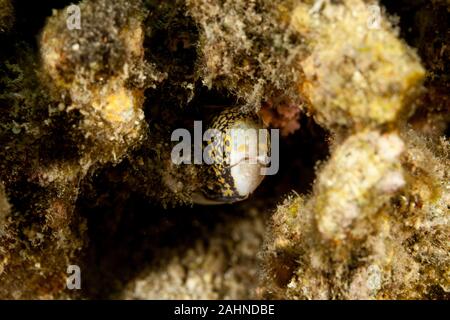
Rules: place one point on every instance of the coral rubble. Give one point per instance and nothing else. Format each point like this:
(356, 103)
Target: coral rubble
(382, 234)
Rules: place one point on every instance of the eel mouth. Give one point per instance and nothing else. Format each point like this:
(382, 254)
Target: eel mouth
(260, 160)
(201, 198)
(256, 163)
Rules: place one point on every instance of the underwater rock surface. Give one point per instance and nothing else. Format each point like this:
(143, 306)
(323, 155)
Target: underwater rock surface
(360, 93)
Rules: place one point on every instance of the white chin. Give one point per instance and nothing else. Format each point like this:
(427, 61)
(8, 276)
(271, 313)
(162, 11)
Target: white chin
(247, 177)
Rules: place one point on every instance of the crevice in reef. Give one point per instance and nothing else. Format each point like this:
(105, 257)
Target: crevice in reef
(87, 175)
(129, 236)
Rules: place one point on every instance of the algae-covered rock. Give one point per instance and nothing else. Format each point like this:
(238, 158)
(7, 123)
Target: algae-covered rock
(6, 16)
(91, 93)
(387, 243)
(357, 74)
(4, 209)
(99, 66)
(224, 267)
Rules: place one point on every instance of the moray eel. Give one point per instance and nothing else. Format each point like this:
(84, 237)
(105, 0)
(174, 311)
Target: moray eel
(238, 152)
